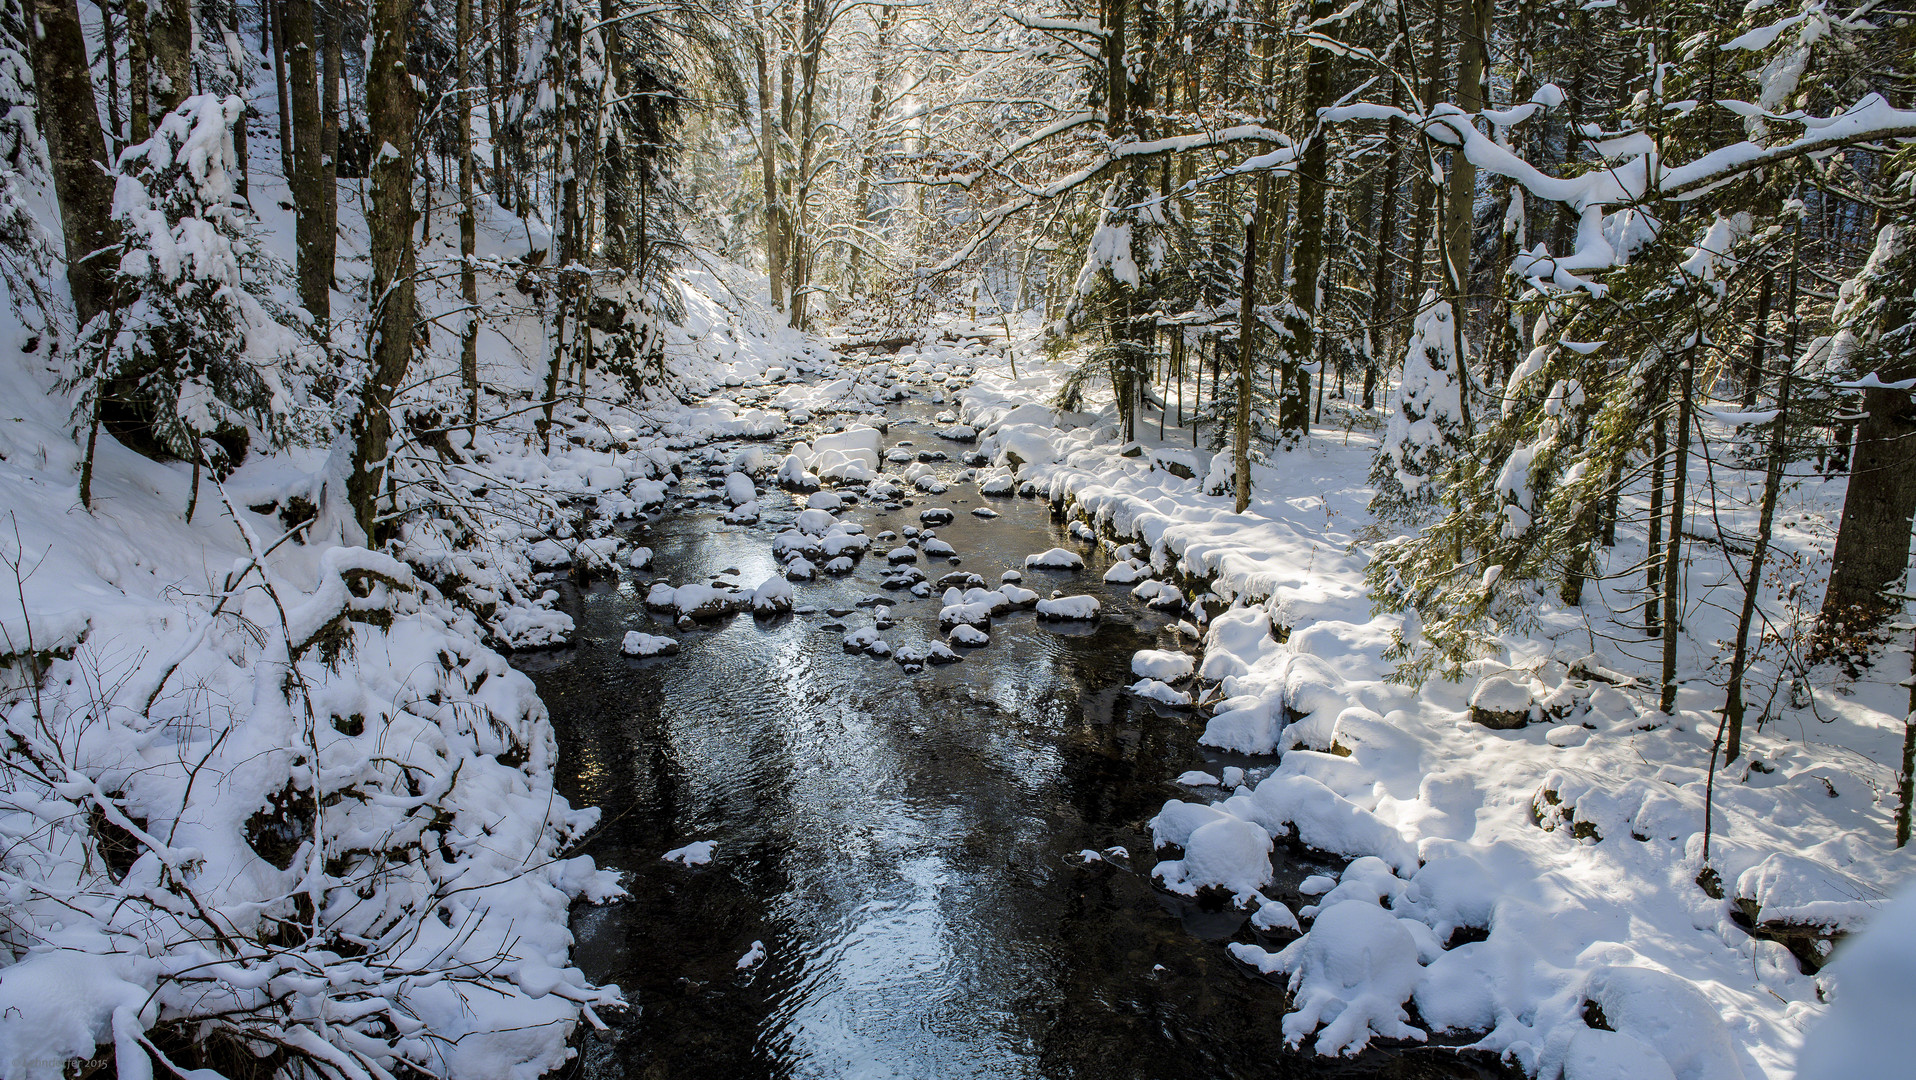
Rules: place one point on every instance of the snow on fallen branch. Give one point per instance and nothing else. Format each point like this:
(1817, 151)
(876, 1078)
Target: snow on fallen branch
(334, 845)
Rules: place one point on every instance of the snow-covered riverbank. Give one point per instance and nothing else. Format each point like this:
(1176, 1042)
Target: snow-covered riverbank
(1537, 885)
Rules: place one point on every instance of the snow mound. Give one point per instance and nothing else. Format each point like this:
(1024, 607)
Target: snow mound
(1350, 977)
(1865, 1031)
(1226, 853)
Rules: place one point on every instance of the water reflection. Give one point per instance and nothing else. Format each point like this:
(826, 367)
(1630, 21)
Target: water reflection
(904, 844)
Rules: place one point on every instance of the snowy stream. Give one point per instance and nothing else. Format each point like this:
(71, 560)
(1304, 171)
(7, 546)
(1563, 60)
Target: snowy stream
(897, 884)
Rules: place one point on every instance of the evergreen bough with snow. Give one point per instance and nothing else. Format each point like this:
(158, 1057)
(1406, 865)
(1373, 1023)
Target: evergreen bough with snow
(194, 344)
(1425, 434)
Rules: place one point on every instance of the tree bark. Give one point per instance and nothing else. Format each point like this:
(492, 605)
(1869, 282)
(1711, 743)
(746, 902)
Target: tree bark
(330, 73)
(391, 109)
(110, 57)
(768, 158)
(1380, 296)
(278, 57)
(1294, 408)
(1460, 212)
(812, 42)
(468, 219)
(1652, 564)
(171, 31)
(1246, 341)
(874, 112)
(76, 148)
(139, 76)
(1673, 543)
(310, 233)
(1872, 541)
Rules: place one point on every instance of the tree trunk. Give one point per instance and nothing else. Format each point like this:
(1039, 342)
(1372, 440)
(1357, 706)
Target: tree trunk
(874, 112)
(310, 233)
(170, 29)
(1673, 543)
(509, 151)
(1380, 297)
(331, 71)
(812, 41)
(1872, 541)
(1652, 564)
(768, 159)
(240, 60)
(468, 219)
(76, 148)
(391, 109)
(139, 75)
(1460, 212)
(1246, 341)
(110, 57)
(278, 56)
(1294, 408)
(1772, 487)
(1759, 341)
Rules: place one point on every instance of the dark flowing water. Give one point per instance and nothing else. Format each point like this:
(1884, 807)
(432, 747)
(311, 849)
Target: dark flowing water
(906, 846)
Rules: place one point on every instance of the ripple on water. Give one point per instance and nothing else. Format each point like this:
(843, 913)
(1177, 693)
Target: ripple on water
(902, 843)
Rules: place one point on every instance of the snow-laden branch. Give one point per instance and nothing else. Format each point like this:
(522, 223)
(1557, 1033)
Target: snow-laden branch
(1643, 179)
(995, 218)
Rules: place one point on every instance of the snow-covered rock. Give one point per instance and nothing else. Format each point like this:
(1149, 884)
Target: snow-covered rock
(1162, 693)
(1501, 702)
(1350, 977)
(1055, 559)
(1226, 853)
(969, 636)
(641, 644)
(1068, 609)
(696, 853)
(1162, 665)
(773, 597)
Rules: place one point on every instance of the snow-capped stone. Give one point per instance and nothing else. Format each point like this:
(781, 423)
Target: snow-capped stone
(696, 853)
(1161, 693)
(1501, 702)
(1228, 853)
(814, 522)
(773, 597)
(1162, 665)
(866, 640)
(1068, 609)
(969, 636)
(1350, 977)
(1055, 559)
(641, 644)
